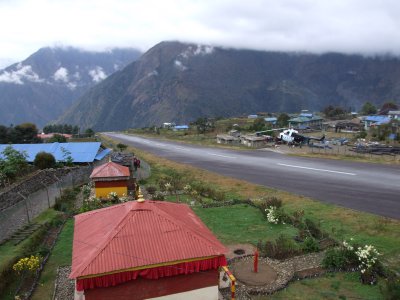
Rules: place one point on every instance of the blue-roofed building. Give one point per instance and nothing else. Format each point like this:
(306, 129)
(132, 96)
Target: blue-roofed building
(271, 120)
(181, 127)
(375, 121)
(80, 152)
(303, 122)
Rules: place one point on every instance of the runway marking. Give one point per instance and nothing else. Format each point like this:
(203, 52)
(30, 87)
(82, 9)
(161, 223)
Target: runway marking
(226, 156)
(315, 169)
(181, 148)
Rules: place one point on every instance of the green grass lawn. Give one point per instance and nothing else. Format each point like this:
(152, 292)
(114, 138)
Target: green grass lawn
(330, 286)
(241, 224)
(60, 256)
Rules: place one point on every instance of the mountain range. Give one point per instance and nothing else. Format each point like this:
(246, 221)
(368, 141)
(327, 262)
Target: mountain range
(40, 88)
(178, 82)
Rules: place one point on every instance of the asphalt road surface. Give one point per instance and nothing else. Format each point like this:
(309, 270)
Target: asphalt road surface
(366, 187)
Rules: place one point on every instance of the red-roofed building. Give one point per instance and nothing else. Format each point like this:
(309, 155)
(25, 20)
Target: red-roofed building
(145, 250)
(110, 177)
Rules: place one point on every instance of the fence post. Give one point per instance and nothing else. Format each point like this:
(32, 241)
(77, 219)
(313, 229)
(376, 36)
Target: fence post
(26, 206)
(58, 183)
(47, 192)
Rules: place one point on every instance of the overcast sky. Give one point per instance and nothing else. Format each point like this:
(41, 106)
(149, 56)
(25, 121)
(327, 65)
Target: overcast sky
(351, 26)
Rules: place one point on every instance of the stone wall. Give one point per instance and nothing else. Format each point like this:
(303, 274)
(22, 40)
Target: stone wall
(37, 181)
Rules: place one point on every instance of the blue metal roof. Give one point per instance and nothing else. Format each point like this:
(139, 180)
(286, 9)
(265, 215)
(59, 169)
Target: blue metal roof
(181, 127)
(377, 119)
(80, 152)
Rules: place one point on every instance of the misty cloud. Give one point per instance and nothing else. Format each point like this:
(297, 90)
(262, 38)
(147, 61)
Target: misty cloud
(97, 74)
(349, 26)
(61, 75)
(19, 75)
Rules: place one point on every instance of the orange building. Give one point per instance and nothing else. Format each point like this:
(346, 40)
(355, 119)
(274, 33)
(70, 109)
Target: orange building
(110, 177)
(145, 250)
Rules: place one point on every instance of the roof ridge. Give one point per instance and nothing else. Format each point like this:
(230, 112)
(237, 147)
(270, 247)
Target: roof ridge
(186, 226)
(105, 241)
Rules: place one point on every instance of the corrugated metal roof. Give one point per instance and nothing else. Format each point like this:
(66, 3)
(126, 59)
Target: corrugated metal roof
(378, 119)
(110, 169)
(80, 152)
(137, 234)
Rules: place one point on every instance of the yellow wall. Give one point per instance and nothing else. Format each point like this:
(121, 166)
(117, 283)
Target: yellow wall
(103, 192)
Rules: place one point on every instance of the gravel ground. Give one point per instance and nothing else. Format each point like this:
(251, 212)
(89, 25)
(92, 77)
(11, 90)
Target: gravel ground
(64, 289)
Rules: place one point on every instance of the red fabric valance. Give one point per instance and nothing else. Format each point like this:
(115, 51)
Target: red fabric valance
(152, 273)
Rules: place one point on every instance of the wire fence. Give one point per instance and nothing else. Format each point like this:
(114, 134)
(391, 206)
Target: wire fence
(346, 150)
(23, 212)
(143, 172)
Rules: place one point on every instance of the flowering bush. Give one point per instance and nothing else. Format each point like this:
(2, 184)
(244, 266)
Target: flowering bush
(27, 264)
(351, 256)
(90, 204)
(274, 215)
(113, 196)
(86, 190)
(368, 257)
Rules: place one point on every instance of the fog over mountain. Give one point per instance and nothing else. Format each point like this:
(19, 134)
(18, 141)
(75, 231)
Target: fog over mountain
(40, 88)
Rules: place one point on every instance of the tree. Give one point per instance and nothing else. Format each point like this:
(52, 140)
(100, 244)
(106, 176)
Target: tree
(26, 133)
(283, 120)
(334, 111)
(203, 125)
(58, 138)
(121, 147)
(68, 160)
(387, 106)
(258, 125)
(13, 163)
(44, 160)
(368, 109)
(3, 135)
(89, 132)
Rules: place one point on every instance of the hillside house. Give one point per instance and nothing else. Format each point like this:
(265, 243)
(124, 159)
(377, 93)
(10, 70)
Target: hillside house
(227, 139)
(110, 177)
(306, 120)
(375, 121)
(394, 114)
(271, 121)
(145, 250)
(254, 141)
(180, 127)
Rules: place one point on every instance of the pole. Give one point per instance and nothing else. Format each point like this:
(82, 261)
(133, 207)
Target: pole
(47, 192)
(256, 261)
(26, 206)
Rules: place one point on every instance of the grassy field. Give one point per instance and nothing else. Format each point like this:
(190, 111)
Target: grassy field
(60, 256)
(241, 224)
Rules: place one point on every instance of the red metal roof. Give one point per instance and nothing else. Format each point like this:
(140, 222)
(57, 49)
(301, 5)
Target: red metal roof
(110, 169)
(134, 234)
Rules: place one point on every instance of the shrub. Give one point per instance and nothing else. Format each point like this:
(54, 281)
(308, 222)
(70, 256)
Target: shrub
(159, 196)
(342, 258)
(283, 247)
(44, 160)
(310, 245)
(151, 189)
(274, 201)
(313, 229)
(391, 289)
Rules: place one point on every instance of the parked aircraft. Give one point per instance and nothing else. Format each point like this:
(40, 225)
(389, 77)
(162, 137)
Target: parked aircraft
(292, 136)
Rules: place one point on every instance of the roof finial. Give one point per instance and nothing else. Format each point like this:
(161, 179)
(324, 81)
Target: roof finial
(140, 196)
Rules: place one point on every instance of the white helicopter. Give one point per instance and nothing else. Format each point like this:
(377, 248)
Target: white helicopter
(291, 136)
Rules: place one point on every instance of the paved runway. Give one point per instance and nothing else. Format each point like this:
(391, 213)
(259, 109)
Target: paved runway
(366, 187)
